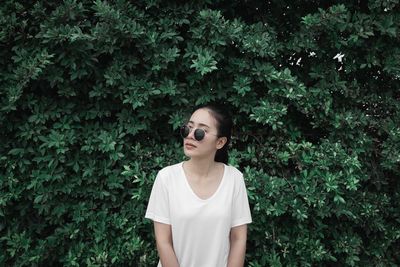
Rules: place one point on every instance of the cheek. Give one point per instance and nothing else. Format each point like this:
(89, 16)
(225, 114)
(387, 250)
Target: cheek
(205, 146)
(210, 145)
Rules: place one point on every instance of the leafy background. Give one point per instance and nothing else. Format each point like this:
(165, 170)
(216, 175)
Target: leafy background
(92, 94)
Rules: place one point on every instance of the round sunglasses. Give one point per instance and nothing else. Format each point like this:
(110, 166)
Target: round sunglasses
(199, 133)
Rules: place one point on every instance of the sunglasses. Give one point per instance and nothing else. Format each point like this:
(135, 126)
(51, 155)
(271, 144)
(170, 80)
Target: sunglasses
(199, 133)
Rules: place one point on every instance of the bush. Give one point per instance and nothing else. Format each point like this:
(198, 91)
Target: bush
(92, 95)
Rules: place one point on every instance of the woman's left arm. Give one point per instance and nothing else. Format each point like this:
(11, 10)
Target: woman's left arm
(238, 238)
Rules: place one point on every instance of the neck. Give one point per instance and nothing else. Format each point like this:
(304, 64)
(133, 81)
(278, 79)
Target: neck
(200, 167)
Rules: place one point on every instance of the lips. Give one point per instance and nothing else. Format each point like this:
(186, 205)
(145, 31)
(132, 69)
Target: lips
(189, 145)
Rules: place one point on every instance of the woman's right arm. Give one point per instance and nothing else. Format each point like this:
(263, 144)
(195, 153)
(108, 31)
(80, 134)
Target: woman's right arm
(165, 249)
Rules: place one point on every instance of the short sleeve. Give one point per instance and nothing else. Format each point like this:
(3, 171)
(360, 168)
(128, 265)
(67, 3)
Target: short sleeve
(158, 207)
(240, 205)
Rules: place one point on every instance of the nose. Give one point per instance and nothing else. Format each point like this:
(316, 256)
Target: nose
(191, 134)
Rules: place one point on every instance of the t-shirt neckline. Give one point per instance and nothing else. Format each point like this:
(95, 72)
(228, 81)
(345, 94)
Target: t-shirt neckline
(191, 190)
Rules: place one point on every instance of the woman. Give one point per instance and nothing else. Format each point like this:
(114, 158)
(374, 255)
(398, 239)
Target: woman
(200, 207)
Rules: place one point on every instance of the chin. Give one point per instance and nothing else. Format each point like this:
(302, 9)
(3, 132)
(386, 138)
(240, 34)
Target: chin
(188, 153)
(191, 153)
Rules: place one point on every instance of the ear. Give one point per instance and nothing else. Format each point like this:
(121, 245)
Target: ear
(221, 142)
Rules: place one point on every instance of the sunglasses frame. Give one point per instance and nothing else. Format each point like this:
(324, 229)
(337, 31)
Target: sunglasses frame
(198, 134)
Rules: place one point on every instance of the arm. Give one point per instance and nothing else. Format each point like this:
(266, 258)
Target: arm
(164, 245)
(237, 250)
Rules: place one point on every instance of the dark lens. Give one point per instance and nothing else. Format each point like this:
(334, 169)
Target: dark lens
(199, 134)
(185, 131)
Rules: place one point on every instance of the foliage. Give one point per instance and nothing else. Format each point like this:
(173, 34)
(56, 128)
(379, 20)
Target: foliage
(92, 94)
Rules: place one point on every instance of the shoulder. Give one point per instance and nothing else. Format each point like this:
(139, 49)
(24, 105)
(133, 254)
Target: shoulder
(234, 172)
(237, 181)
(168, 171)
(170, 168)
(235, 176)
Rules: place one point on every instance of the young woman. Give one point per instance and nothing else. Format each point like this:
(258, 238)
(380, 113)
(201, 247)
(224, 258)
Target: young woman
(199, 206)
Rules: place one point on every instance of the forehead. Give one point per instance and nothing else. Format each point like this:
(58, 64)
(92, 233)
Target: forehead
(203, 116)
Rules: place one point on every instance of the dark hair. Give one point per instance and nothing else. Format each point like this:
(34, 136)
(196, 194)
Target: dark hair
(224, 128)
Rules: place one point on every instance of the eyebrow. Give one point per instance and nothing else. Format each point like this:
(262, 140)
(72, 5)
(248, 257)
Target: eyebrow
(200, 124)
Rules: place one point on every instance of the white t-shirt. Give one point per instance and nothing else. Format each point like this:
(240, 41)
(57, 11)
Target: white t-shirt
(200, 228)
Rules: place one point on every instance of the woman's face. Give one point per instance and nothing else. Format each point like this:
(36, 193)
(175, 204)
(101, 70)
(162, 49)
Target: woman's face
(208, 146)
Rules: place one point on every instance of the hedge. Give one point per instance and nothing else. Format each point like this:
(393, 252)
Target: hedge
(92, 94)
